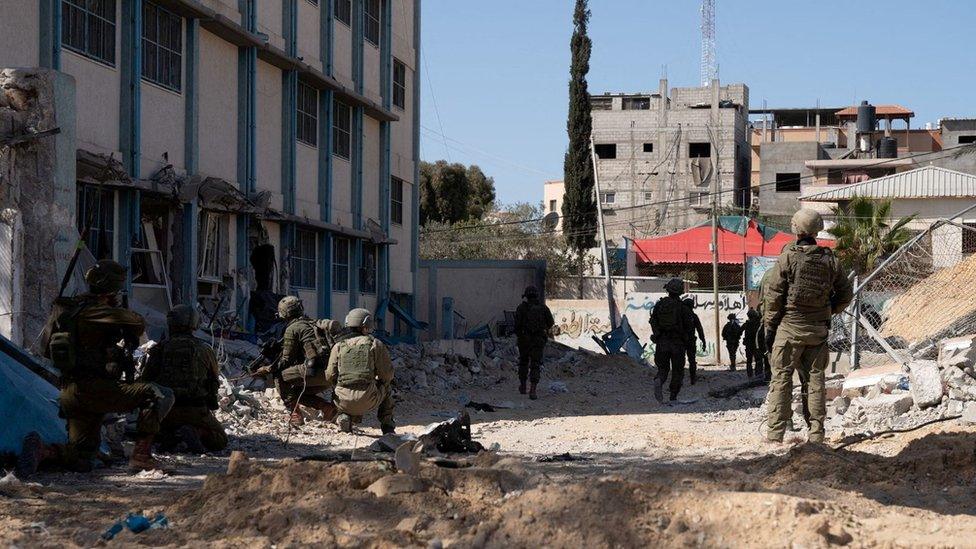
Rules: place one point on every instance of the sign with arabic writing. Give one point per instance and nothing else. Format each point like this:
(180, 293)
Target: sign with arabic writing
(756, 267)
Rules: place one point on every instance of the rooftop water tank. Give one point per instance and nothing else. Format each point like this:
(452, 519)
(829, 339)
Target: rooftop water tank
(866, 120)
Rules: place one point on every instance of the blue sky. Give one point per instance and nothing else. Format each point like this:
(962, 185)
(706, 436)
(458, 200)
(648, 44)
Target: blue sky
(495, 73)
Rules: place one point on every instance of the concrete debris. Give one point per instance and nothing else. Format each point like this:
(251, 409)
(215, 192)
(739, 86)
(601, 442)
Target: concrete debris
(397, 484)
(925, 383)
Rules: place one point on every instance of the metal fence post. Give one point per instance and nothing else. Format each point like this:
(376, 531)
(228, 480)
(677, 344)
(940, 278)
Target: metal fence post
(855, 355)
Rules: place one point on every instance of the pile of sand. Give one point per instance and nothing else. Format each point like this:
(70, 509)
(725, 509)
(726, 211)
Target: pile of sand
(933, 304)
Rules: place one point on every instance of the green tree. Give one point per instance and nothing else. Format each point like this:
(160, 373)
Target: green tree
(482, 192)
(579, 208)
(865, 234)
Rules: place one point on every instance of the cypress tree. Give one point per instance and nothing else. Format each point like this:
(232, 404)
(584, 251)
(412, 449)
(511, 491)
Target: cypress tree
(579, 207)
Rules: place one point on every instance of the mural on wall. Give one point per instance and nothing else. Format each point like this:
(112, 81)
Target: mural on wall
(756, 267)
(581, 319)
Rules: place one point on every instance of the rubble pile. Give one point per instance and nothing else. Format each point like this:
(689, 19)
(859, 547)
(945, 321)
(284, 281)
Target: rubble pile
(886, 398)
(440, 366)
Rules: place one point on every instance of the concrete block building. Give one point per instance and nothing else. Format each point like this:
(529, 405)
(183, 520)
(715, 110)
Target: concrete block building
(660, 154)
(232, 151)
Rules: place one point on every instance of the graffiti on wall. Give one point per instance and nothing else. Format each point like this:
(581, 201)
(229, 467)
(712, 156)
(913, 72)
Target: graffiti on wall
(577, 324)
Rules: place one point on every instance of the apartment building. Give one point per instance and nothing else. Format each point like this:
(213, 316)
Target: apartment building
(661, 153)
(232, 151)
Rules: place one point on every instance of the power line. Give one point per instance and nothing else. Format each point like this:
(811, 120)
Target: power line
(463, 147)
(957, 149)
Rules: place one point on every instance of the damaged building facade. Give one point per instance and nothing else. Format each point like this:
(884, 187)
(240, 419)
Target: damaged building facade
(661, 153)
(228, 152)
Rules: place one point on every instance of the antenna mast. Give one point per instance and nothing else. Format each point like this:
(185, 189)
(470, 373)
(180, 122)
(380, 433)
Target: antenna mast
(709, 67)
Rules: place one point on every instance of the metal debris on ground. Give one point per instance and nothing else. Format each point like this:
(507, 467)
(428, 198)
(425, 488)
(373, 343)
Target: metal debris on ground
(558, 458)
(136, 523)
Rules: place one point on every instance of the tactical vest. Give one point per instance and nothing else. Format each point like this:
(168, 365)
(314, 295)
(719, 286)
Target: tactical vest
(535, 319)
(668, 313)
(813, 277)
(355, 366)
(184, 370)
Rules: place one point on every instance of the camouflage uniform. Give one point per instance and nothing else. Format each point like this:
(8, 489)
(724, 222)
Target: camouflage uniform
(189, 367)
(670, 336)
(361, 370)
(91, 379)
(301, 374)
(694, 329)
(805, 288)
(533, 320)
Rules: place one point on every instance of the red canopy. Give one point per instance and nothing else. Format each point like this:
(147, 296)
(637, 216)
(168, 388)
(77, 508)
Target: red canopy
(694, 245)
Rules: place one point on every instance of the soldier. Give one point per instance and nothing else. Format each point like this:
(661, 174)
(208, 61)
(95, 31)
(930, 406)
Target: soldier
(806, 287)
(360, 369)
(669, 332)
(749, 331)
(533, 321)
(304, 356)
(695, 327)
(761, 350)
(82, 339)
(732, 333)
(189, 367)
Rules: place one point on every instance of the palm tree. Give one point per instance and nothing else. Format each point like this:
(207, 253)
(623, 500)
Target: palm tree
(865, 234)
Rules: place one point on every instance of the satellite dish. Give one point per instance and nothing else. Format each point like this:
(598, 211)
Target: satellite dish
(550, 221)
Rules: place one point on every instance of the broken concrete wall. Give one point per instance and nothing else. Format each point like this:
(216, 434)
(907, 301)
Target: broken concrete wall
(37, 195)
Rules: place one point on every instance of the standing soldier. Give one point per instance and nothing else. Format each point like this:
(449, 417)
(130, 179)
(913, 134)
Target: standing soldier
(189, 367)
(361, 370)
(302, 366)
(533, 320)
(694, 328)
(669, 332)
(732, 333)
(749, 331)
(82, 338)
(805, 288)
(761, 348)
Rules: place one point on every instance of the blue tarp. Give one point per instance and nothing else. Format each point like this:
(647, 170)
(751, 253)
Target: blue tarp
(27, 403)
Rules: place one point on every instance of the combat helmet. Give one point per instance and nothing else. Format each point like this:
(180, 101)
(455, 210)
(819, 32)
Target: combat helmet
(806, 222)
(183, 318)
(105, 277)
(530, 292)
(359, 318)
(290, 307)
(674, 286)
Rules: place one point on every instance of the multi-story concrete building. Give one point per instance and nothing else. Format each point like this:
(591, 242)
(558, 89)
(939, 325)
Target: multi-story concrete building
(229, 151)
(552, 200)
(799, 151)
(661, 153)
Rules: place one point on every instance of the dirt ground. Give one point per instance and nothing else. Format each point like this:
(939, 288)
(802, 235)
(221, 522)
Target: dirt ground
(695, 474)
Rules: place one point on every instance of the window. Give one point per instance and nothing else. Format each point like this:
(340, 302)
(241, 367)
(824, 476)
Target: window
(606, 151)
(343, 11)
(367, 269)
(787, 182)
(162, 46)
(636, 103)
(609, 198)
(341, 130)
(699, 150)
(966, 139)
(601, 103)
(396, 200)
(88, 27)
(648, 147)
(648, 197)
(371, 21)
(313, 2)
(399, 84)
(340, 264)
(308, 114)
(969, 238)
(96, 210)
(302, 260)
(698, 198)
(609, 212)
(212, 235)
(552, 205)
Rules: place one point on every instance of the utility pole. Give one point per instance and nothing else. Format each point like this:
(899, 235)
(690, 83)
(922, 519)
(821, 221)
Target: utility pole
(715, 138)
(611, 306)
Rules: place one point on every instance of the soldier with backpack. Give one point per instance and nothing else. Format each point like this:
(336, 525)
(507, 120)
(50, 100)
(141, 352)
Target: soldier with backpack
(304, 357)
(533, 320)
(670, 329)
(362, 372)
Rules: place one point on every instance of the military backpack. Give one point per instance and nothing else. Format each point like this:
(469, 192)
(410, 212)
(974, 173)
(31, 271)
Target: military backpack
(668, 313)
(813, 276)
(63, 340)
(356, 366)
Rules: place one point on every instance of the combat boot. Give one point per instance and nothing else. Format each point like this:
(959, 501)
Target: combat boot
(296, 419)
(190, 437)
(142, 459)
(658, 390)
(345, 423)
(521, 386)
(388, 428)
(532, 394)
(33, 452)
(327, 408)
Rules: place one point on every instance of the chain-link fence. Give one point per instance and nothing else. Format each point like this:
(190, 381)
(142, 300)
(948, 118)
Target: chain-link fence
(919, 295)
